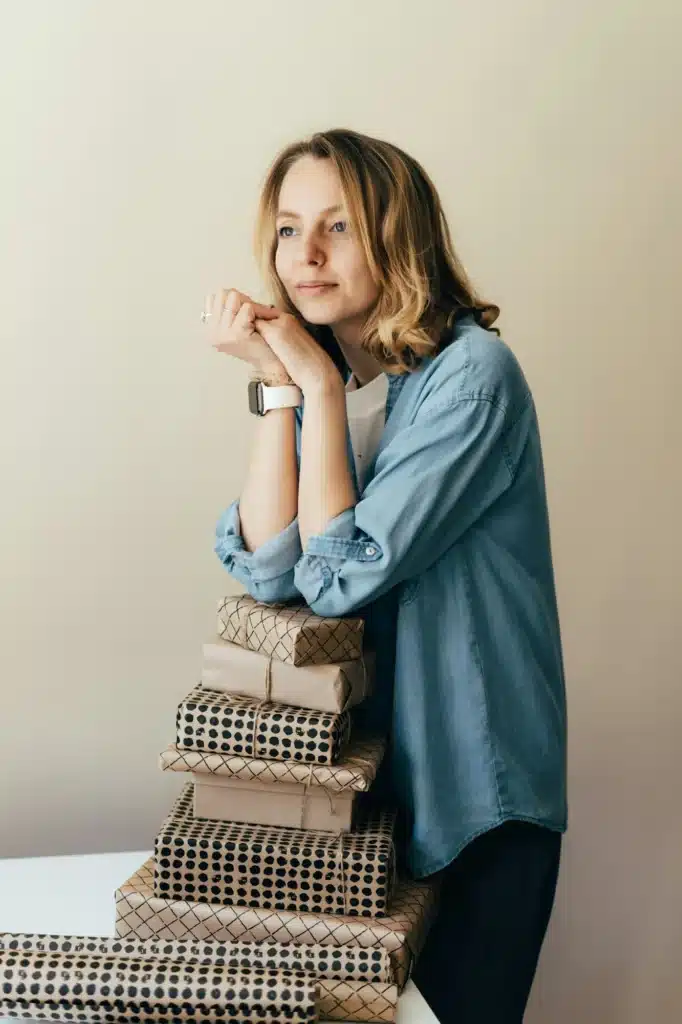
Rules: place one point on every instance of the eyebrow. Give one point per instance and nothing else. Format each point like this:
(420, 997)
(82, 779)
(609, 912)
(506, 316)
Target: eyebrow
(296, 216)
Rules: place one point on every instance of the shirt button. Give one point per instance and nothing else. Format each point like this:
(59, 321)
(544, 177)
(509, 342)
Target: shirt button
(370, 551)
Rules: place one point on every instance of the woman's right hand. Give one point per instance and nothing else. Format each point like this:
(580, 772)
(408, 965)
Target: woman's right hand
(231, 330)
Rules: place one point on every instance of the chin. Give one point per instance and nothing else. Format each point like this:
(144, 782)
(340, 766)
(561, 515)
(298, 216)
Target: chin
(317, 317)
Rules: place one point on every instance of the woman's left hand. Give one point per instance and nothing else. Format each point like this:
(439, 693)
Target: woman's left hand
(304, 359)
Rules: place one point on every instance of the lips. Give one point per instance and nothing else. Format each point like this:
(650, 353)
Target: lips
(314, 287)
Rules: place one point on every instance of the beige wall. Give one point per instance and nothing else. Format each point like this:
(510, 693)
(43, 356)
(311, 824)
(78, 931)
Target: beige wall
(134, 137)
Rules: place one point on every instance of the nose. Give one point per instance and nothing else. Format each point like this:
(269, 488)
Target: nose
(310, 251)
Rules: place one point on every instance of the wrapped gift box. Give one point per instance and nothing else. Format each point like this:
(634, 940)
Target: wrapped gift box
(233, 669)
(289, 633)
(152, 989)
(355, 769)
(335, 963)
(141, 914)
(289, 804)
(215, 722)
(291, 869)
(338, 1000)
(358, 1000)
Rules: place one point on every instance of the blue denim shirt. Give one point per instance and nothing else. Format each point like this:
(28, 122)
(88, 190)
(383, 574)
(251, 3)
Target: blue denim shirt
(447, 556)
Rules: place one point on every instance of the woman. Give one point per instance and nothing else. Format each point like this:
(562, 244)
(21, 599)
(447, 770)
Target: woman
(408, 487)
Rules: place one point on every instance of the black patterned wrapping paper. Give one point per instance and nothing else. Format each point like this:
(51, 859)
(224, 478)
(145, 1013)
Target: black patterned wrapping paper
(212, 722)
(356, 769)
(289, 633)
(340, 963)
(147, 989)
(352, 983)
(275, 867)
(141, 914)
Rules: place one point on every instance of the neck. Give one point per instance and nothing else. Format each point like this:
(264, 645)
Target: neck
(364, 366)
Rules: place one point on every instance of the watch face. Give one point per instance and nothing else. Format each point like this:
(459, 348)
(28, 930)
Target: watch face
(256, 397)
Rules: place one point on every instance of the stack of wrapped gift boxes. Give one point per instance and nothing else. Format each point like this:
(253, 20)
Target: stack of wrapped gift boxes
(274, 872)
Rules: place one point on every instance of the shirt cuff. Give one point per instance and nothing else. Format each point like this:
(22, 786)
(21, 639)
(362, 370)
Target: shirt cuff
(341, 540)
(273, 559)
(326, 554)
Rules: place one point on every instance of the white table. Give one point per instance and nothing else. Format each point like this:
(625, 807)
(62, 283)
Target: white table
(75, 896)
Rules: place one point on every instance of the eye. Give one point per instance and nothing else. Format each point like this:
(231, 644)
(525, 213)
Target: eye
(285, 227)
(340, 222)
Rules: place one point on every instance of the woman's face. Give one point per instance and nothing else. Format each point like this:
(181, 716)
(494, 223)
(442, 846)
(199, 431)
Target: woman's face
(317, 242)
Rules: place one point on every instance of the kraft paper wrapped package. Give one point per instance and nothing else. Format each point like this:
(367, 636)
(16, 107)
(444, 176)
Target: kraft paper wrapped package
(350, 873)
(336, 963)
(349, 977)
(289, 633)
(313, 796)
(140, 914)
(286, 804)
(355, 769)
(329, 687)
(147, 989)
(216, 722)
(338, 1000)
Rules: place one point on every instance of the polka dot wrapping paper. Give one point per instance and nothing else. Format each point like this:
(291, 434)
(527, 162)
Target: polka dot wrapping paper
(141, 914)
(349, 978)
(278, 868)
(341, 963)
(289, 632)
(338, 1000)
(136, 988)
(329, 687)
(214, 722)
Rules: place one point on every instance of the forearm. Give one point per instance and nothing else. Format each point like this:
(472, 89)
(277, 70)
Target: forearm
(269, 498)
(325, 487)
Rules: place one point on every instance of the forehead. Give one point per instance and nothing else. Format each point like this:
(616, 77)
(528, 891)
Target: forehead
(310, 186)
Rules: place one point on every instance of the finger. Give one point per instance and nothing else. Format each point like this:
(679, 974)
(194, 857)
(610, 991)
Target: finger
(230, 304)
(266, 312)
(265, 329)
(244, 320)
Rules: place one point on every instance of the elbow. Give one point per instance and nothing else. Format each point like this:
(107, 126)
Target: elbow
(268, 589)
(278, 591)
(324, 595)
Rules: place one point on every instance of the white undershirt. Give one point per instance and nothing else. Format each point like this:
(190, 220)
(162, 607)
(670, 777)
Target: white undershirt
(366, 411)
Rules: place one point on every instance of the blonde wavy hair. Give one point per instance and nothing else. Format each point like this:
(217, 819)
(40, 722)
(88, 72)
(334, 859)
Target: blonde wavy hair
(397, 212)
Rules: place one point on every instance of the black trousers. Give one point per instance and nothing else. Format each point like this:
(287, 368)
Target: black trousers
(479, 959)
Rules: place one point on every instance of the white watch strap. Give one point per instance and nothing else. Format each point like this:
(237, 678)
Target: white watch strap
(281, 396)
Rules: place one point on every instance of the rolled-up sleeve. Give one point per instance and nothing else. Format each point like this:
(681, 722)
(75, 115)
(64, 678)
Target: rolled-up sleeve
(434, 479)
(268, 572)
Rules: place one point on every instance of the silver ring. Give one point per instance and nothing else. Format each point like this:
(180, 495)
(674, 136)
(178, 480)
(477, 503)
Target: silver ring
(205, 316)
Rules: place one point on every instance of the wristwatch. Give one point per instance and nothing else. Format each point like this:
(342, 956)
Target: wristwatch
(264, 397)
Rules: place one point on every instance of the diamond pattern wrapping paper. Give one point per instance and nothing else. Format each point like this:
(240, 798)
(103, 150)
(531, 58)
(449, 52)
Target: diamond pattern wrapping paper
(351, 873)
(141, 914)
(289, 633)
(356, 768)
(233, 669)
(223, 723)
(150, 989)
